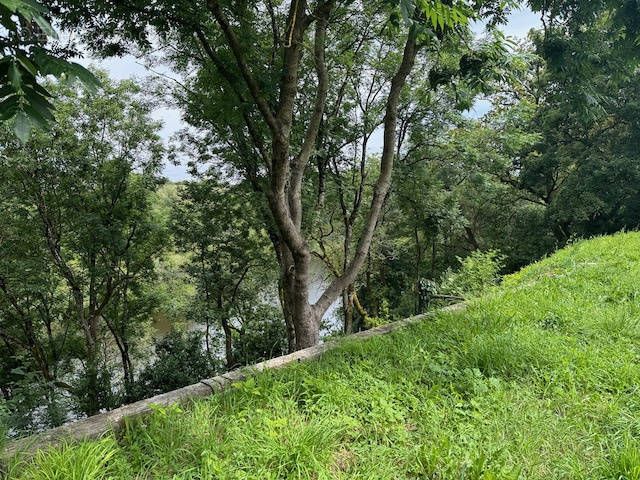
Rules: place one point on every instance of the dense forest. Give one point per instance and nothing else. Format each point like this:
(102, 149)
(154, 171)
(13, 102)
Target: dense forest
(339, 180)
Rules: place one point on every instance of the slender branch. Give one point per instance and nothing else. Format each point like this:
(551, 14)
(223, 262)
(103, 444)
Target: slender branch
(236, 48)
(300, 163)
(383, 182)
(228, 76)
(237, 285)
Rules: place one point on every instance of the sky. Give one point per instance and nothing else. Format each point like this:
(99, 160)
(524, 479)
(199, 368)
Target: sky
(518, 25)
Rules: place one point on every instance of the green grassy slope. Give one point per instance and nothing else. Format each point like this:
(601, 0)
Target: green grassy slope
(539, 379)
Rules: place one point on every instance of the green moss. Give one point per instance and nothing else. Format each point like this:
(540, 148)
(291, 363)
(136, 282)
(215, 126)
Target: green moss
(538, 379)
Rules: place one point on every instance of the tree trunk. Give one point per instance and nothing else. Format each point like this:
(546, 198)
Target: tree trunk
(288, 319)
(471, 237)
(226, 328)
(228, 343)
(286, 173)
(303, 325)
(383, 182)
(305, 320)
(286, 286)
(347, 306)
(207, 300)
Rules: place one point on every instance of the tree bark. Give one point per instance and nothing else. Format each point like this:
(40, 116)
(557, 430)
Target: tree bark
(286, 174)
(228, 343)
(347, 306)
(288, 318)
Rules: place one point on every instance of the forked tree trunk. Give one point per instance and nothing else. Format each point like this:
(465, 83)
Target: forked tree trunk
(286, 173)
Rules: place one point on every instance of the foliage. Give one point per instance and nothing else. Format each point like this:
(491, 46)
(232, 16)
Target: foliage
(382, 318)
(86, 461)
(262, 336)
(179, 359)
(79, 243)
(25, 59)
(217, 225)
(441, 399)
(477, 272)
(285, 173)
(257, 123)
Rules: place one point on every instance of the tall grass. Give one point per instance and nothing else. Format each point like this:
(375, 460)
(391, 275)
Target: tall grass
(538, 379)
(84, 461)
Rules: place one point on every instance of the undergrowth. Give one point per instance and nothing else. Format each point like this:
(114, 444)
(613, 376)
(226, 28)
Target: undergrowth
(538, 379)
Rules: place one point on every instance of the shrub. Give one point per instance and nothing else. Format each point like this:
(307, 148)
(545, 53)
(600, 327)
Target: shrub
(382, 318)
(477, 273)
(94, 391)
(180, 359)
(263, 336)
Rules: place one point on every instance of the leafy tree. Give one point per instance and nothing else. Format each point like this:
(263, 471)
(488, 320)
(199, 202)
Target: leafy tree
(230, 259)
(79, 238)
(564, 130)
(248, 58)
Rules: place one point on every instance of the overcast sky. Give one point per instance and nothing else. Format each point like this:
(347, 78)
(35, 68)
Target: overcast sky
(520, 22)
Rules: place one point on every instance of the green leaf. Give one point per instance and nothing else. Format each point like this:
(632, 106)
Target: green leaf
(30, 8)
(50, 65)
(45, 26)
(85, 76)
(14, 75)
(11, 5)
(407, 7)
(9, 107)
(36, 119)
(41, 90)
(27, 64)
(22, 126)
(39, 104)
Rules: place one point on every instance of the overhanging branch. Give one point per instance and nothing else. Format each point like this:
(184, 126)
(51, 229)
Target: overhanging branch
(236, 48)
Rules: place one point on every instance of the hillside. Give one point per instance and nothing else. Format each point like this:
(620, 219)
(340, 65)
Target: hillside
(538, 379)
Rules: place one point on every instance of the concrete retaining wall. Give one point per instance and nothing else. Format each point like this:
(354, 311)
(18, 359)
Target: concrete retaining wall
(95, 426)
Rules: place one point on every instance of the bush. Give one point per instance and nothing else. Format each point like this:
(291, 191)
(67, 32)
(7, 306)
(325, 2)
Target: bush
(32, 405)
(477, 273)
(382, 318)
(180, 359)
(263, 336)
(94, 391)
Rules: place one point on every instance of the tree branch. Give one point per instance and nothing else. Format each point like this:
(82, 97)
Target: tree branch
(228, 76)
(383, 182)
(236, 48)
(301, 161)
